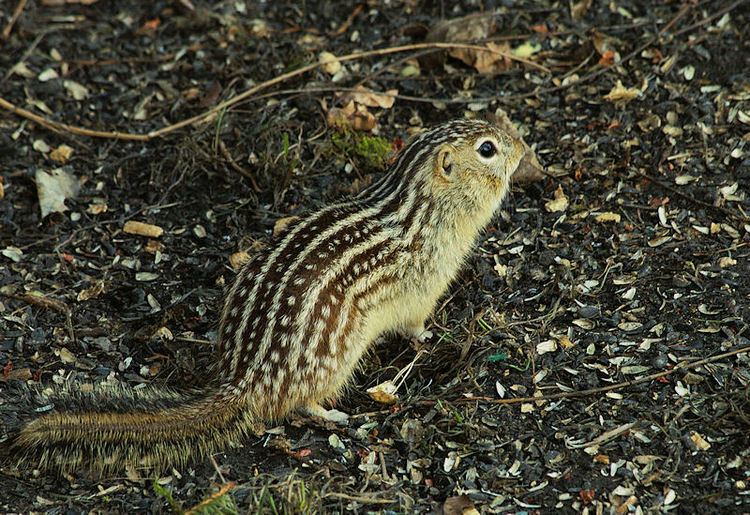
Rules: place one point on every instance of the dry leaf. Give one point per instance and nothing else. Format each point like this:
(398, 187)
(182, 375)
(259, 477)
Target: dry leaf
(142, 229)
(459, 505)
(13, 253)
(474, 27)
(621, 95)
(369, 98)
(351, 116)
(48, 75)
(96, 208)
(53, 188)
(153, 246)
(494, 60)
(579, 9)
(384, 393)
(238, 259)
(66, 356)
(700, 443)
(330, 63)
(607, 217)
(91, 292)
(77, 91)
(546, 346)
(559, 203)
(61, 154)
(282, 224)
(259, 28)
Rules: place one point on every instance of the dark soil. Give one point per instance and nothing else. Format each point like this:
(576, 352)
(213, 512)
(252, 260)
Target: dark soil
(551, 301)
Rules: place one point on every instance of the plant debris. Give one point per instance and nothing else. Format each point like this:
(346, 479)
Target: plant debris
(592, 355)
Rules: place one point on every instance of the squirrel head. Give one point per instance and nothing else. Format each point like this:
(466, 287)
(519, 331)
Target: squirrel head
(479, 154)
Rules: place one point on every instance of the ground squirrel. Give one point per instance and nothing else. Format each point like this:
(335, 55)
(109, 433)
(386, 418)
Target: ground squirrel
(300, 314)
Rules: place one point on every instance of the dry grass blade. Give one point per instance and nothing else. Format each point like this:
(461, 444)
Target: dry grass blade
(13, 19)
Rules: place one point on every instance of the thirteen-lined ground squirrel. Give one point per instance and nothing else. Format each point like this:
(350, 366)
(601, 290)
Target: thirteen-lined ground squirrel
(300, 314)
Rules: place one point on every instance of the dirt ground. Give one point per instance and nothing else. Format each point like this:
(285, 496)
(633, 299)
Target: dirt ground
(627, 262)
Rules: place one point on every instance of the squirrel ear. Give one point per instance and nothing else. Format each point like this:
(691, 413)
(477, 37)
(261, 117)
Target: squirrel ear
(444, 164)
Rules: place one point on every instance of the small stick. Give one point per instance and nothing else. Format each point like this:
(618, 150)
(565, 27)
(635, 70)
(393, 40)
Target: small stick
(237, 168)
(199, 508)
(216, 467)
(47, 303)
(348, 22)
(683, 11)
(710, 18)
(594, 391)
(690, 198)
(13, 19)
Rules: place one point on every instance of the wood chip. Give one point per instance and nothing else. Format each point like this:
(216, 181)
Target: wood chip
(142, 229)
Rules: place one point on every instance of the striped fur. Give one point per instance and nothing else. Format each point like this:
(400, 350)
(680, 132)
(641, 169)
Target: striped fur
(301, 314)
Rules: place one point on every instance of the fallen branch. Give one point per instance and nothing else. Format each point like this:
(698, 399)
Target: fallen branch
(80, 131)
(595, 391)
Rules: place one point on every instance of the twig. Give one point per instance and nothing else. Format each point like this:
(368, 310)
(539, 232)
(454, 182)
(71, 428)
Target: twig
(359, 498)
(198, 508)
(691, 198)
(237, 168)
(217, 468)
(348, 22)
(62, 127)
(708, 19)
(594, 391)
(682, 12)
(13, 19)
(47, 303)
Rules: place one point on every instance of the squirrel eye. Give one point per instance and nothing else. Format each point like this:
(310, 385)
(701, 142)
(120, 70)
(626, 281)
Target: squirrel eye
(487, 149)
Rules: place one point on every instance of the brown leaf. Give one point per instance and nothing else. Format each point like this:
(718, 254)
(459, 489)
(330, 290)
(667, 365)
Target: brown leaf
(490, 62)
(282, 224)
(459, 505)
(475, 27)
(61, 154)
(91, 292)
(559, 203)
(238, 259)
(579, 9)
(384, 393)
(621, 95)
(369, 98)
(351, 116)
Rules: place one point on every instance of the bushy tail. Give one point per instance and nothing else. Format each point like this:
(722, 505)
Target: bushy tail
(112, 427)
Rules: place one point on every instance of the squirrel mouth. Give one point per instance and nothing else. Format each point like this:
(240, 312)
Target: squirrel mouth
(516, 156)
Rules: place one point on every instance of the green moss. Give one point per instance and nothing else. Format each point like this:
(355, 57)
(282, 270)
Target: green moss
(370, 151)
